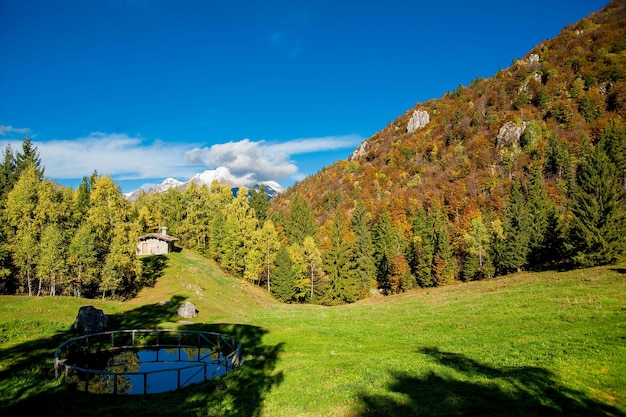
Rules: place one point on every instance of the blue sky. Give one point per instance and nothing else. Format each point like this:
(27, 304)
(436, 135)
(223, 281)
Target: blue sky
(143, 90)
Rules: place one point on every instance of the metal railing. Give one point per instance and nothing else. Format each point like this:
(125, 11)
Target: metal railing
(209, 355)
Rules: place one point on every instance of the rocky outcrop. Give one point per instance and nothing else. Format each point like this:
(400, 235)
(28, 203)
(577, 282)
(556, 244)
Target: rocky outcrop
(419, 119)
(359, 152)
(509, 135)
(90, 320)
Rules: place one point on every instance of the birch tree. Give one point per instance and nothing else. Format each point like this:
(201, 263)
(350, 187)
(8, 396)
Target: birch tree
(51, 265)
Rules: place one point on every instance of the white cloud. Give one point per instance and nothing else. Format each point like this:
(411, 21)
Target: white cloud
(310, 145)
(7, 130)
(117, 154)
(246, 160)
(125, 157)
(259, 161)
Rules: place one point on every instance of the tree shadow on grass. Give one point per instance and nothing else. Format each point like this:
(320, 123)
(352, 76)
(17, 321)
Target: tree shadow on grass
(27, 384)
(466, 387)
(153, 267)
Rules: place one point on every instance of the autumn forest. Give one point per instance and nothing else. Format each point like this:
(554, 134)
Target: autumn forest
(458, 198)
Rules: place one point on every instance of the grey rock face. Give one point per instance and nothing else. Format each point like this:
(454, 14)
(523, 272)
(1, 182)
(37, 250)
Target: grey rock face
(419, 119)
(509, 134)
(187, 310)
(90, 320)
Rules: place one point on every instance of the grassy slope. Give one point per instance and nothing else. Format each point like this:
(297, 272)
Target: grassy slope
(528, 344)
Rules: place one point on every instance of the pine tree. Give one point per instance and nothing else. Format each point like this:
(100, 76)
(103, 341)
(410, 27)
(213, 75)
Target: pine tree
(260, 202)
(558, 162)
(8, 173)
(82, 197)
(362, 252)
(6, 283)
(342, 287)
(301, 222)
(283, 287)
(613, 142)
(443, 263)
(28, 156)
(387, 246)
(430, 252)
(598, 213)
(422, 250)
(511, 253)
(539, 209)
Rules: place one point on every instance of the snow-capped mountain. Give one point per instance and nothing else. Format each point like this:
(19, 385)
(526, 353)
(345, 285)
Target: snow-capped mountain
(272, 188)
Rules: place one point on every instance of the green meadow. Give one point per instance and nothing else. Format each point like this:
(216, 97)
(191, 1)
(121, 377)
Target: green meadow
(528, 344)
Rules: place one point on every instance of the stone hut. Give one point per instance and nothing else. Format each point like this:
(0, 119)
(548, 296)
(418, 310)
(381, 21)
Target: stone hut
(156, 243)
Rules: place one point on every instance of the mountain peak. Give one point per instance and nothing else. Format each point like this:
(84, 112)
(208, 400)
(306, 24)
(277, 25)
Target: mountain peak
(207, 177)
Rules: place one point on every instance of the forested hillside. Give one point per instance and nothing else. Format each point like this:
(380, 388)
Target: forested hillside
(523, 170)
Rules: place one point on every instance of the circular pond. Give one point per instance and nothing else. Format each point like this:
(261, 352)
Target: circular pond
(145, 361)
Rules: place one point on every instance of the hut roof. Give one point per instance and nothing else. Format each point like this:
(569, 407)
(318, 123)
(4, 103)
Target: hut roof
(160, 236)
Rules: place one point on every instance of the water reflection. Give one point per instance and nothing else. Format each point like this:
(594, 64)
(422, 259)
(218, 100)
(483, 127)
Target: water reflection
(147, 371)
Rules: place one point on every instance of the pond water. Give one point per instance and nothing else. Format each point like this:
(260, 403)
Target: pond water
(149, 371)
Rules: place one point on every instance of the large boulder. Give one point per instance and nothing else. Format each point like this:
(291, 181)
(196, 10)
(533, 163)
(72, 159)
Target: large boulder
(187, 310)
(90, 320)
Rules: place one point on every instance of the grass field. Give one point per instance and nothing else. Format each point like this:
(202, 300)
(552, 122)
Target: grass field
(529, 344)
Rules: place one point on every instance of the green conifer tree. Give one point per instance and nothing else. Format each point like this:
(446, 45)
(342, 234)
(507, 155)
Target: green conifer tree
(283, 286)
(260, 202)
(540, 211)
(613, 142)
(598, 224)
(342, 287)
(511, 252)
(422, 249)
(28, 156)
(8, 173)
(387, 246)
(430, 252)
(443, 264)
(301, 222)
(362, 251)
